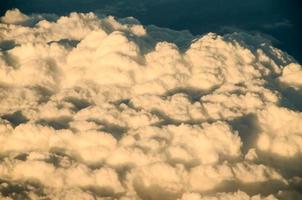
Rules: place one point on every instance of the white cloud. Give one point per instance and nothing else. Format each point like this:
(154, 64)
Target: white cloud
(281, 131)
(225, 196)
(290, 76)
(14, 17)
(105, 108)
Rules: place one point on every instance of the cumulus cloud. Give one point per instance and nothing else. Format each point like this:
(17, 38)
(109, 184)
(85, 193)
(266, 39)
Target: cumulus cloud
(225, 196)
(14, 17)
(290, 76)
(280, 126)
(105, 108)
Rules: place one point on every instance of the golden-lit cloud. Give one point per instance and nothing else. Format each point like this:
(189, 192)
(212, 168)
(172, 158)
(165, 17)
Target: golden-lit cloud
(105, 108)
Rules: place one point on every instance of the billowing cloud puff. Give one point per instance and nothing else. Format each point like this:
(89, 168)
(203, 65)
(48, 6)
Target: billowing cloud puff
(225, 196)
(281, 131)
(290, 76)
(14, 17)
(105, 108)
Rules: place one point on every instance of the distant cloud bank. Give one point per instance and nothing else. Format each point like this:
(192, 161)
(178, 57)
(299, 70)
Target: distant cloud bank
(105, 108)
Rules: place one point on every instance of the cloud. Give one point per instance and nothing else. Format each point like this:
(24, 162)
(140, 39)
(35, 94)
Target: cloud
(237, 195)
(276, 132)
(290, 76)
(104, 108)
(14, 17)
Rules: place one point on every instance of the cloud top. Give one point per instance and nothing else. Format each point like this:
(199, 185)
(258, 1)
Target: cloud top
(105, 108)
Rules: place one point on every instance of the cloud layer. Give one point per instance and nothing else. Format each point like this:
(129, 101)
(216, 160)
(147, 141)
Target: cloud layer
(104, 108)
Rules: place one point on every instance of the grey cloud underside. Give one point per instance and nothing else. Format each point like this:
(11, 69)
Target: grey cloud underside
(104, 108)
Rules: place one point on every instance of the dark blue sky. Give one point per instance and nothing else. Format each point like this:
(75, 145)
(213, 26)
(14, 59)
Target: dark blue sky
(278, 18)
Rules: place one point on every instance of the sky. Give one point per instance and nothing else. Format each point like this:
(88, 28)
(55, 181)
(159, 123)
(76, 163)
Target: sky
(143, 100)
(280, 19)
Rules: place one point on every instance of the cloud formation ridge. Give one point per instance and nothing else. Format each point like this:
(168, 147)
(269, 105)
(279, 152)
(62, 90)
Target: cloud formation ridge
(103, 108)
